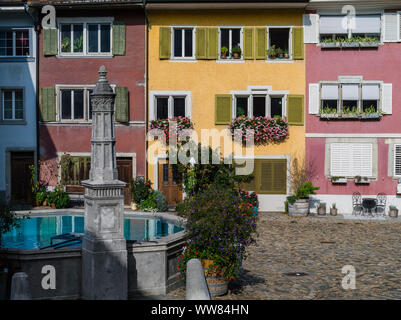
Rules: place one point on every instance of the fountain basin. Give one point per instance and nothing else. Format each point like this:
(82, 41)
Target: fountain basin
(152, 260)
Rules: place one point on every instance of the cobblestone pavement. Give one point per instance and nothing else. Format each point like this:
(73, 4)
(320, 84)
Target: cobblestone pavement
(318, 248)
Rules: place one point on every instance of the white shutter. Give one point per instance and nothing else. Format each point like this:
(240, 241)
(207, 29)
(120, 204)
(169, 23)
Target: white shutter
(367, 24)
(361, 154)
(387, 98)
(391, 27)
(311, 32)
(314, 98)
(397, 160)
(340, 160)
(332, 24)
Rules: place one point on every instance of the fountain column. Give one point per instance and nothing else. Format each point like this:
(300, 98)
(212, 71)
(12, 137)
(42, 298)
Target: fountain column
(104, 251)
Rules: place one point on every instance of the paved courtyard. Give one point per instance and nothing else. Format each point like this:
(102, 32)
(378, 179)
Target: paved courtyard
(318, 248)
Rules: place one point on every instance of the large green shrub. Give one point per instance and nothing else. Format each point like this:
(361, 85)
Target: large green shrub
(140, 189)
(59, 197)
(160, 200)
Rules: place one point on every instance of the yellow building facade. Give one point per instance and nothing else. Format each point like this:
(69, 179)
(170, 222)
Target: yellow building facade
(188, 75)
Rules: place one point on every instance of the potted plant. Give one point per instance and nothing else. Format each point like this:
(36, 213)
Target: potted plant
(328, 112)
(330, 43)
(368, 42)
(286, 54)
(236, 52)
(348, 112)
(361, 180)
(300, 207)
(333, 210)
(336, 179)
(280, 53)
(350, 43)
(393, 213)
(58, 199)
(271, 52)
(216, 236)
(321, 210)
(223, 51)
(140, 190)
(40, 198)
(370, 113)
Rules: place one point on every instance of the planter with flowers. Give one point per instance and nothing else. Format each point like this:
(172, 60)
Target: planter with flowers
(265, 129)
(161, 127)
(219, 228)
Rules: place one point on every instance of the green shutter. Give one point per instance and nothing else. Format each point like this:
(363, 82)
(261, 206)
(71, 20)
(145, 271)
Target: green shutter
(272, 176)
(251, 185)
(121, 105)
(164, 42)
(297, 43)
(201, 43)
(119, 38)
(295, 109)
(249, 43)
(212, 43)
(261, 43)
(50, 47)
(223, 109)
(47, 104)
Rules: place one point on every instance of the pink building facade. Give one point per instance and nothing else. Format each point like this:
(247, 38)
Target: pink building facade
(353, 94)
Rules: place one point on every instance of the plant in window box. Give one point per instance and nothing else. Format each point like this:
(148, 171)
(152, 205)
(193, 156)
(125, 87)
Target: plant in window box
(223, 52)
(272, 52)
(161, 128)
(350, 43)
(286, 54)
(328, 112)
(348, 112)
(368, 42)
(330, 43)
(370, 113)
(280, 53)
(78, 44)
(336, 179)
(66, 45)
(236, 52)
(361, 180)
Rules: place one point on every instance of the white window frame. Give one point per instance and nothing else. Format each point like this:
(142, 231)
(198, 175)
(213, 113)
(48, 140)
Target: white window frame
(229, 58)
(290, 59)
(259, 91)
(349, 31)
(170, 95)
(360, 100)
(86, 89)
(182, 57)
(85, 22)
(395, 160)
(13, 120)
(30, 39)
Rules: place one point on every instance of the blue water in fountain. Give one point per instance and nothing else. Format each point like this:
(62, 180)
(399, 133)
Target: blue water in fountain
(36, 232)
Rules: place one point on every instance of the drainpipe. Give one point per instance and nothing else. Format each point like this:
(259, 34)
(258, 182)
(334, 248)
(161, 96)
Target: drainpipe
(146, 88)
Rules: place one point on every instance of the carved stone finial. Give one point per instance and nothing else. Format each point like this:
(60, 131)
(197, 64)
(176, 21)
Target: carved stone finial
(102, 73)
(102, 85)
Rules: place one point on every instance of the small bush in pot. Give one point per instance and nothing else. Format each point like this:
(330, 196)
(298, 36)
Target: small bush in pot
(223, 51)
(321, 210)
(393, 213)
(58, 199)
(333, 209)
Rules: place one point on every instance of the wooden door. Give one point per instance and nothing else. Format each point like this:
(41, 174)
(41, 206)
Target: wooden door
(168, 184)
(124, 167)
(21, 189)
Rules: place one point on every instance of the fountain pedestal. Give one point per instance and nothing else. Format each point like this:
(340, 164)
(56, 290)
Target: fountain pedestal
(104, 251)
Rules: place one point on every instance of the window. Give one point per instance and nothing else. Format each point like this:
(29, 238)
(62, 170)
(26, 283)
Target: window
(85, 38)
(279, 43)
(259, 106)
(183, 42)
(350, 98)
(270, 176)
(14, 43)
(170, 106)
(12, 101)
(397, 160)
(72, 104)
(343, 27)
(351, 160)
(230, 38)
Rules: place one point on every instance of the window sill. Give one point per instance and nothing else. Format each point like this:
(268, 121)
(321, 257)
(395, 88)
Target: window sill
(83, 56)
(17, 59)
(13, 122)
(367, 181)
(183, 60)
(339, 45)
(339, 181)
(374, 116)
(278, 60)
(230, 60)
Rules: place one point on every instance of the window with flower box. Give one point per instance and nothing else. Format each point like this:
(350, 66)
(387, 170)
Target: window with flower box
(169, 104)
(259, 106)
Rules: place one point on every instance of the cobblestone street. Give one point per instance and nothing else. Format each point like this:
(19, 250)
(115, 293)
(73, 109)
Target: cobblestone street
(318, 248)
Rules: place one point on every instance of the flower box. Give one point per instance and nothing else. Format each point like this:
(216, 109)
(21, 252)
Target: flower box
(330, 45)
(350, 44)
(368, 44)
(362, 180)
(350, 116)
(370, 116)
(329, 115)
(341, 180)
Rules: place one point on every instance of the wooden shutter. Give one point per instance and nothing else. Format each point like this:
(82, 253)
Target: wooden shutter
(311, 31)
(50, 45)
(387, 98)
(251, 185)
(297, 43)
(249, 43)
(261, 43)
(47, 104)
(212, 43)
(272, 176)
(391, 31)
(295, 109)
(397, 160)
(78, 170)
(121, 104)
(340, 160)
(201, 43)
(314, 100)
(119, 38)
(164, 42)
(223, 109)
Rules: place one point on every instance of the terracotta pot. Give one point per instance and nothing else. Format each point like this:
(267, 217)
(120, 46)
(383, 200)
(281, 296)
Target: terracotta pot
(53, 206)
(236, 55)
(44, 203)
(37, 204)
(223, 56)
(216, 283)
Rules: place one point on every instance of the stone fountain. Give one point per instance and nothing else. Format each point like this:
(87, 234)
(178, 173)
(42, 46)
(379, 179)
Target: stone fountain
(104, 249)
